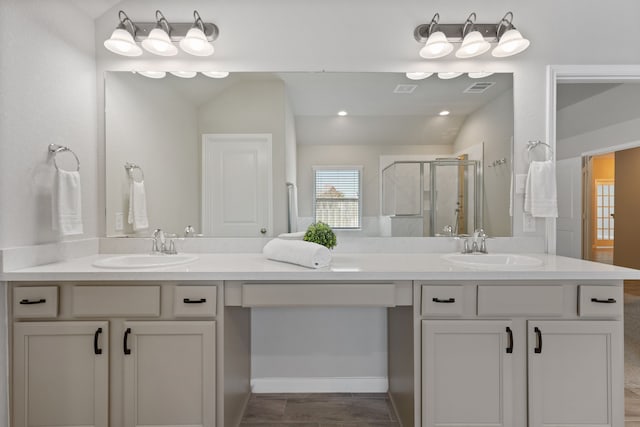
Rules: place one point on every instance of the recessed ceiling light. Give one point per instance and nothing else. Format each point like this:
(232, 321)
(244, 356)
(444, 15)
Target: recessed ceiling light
(342, 113)
(418, 75)
(444, 113)
(184, 74)
(152, 74)
(216, 74)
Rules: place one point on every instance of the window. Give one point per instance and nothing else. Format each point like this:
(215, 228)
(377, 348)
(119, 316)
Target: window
(605, 193)
(337, 199)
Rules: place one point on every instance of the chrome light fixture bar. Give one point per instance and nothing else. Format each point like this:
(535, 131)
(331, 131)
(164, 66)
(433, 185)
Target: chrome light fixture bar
(473, 37)
(160, 37)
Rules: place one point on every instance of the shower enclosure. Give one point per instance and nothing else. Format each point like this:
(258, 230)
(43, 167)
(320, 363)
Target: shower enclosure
(441, 197)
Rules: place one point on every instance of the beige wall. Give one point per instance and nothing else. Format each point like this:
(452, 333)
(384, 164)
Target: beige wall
(493, 126)
(254, 107)
(149, 124)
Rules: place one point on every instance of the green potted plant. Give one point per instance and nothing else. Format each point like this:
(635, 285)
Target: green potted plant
(321, 234)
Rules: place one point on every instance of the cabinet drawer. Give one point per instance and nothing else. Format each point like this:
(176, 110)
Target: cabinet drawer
(318, 295)
(600, 301)
(520, 300)
(115, 301)
(195, 301)
(445, 300)
(35, 302)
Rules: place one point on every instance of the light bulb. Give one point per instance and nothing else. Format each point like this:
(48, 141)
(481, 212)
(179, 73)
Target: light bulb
(473, 44)
(196, 43)
(121, 42)
(159, 43)
(511, 43)
(437, 46)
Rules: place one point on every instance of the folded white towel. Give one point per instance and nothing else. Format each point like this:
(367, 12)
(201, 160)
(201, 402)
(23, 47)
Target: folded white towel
(292, 236)
(138, 206)
(67, 203)
(540, 199)
(298, 252)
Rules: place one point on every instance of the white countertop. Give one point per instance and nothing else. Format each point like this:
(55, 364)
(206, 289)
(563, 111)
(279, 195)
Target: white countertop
(345, 266)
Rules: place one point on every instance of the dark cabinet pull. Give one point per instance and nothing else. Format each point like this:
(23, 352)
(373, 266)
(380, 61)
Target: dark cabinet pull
(538, 348)
(510, 346)
(194, 301)
(604, 301)
(444, 301)
(127, 350)
(96, 349)
(31, 302)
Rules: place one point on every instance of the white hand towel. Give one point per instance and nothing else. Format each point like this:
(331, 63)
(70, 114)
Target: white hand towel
(540, 199)
(298, 252)
(67, 203)
(292, 236)
(138, 206)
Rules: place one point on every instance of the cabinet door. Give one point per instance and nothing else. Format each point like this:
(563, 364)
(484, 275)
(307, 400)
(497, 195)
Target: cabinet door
(169, 374)
(60, 374)
(467, 373)
(575, 374)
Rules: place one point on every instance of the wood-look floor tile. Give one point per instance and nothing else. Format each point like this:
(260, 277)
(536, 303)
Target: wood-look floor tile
(279, 425)
(264, 410)
(319, 409)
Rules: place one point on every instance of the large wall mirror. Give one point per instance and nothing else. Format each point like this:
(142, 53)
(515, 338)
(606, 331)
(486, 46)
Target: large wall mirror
(259, 154)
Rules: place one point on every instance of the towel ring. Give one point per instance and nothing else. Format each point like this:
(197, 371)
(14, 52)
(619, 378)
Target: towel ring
(55, 149)
(531, 145)
(130, 167)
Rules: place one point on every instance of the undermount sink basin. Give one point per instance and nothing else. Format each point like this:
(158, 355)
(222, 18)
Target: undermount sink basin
(144, 261)
(494, 261)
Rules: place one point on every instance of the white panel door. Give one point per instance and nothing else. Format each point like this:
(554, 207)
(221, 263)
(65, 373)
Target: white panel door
(569, 223)
(60, 374)
(237, 185)
(169, 374)
(575, 374)
(467, 373)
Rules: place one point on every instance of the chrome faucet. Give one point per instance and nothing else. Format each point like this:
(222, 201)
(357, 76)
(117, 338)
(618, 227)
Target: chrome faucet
(159, 244)
(475, 247)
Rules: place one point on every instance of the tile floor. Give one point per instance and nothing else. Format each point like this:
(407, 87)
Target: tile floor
(320, 410)
(632, 355)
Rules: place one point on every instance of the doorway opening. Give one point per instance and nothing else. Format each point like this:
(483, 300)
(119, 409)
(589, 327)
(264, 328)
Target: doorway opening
(598, 208)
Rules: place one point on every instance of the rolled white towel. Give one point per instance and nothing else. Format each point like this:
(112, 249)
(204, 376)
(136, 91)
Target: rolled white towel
(292, 236)
(299, 252)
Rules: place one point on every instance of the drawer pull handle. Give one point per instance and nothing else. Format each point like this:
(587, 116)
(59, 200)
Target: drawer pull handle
(444, 301)
(538, 348)
(125, 345)
(604, 301)
(31, 302)
(510, 335)
(96, 349)
(194, 301)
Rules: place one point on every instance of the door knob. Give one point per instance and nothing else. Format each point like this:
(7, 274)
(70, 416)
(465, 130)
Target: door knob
(263, 230)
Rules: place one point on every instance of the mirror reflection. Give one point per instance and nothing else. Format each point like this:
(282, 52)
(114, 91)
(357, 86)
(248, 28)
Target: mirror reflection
(260, 154)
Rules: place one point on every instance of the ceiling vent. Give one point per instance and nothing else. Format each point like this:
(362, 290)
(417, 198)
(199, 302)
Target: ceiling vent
(405, 88)
(479, 87)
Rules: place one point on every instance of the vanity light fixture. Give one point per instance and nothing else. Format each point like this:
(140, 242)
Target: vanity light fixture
(449, 75)
(121, 40)
(216, 74)
(152, 74)
(160, 37)
(437, 44)
(159, 40)
(184, 74)
(480, 74)
(511, 41)
(444, 113)
(418, 75)
(475, 39)
(195, 42)
(342, 113)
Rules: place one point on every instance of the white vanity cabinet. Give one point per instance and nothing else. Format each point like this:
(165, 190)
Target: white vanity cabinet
(536, 355)
(130, 361)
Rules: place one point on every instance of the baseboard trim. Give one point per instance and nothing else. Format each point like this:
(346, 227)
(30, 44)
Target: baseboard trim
(320, 385)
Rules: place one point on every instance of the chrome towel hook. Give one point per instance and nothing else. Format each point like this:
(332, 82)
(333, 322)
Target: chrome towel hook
(55, 149)
(130, 167)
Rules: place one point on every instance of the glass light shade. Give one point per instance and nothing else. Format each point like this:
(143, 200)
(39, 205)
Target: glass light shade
(418, 75)
(473, 45)
(449, 75)
(480, 74)
(437, 46)
(511, 43)
(216, 74)
(184, 74)
(122, 43)
(196, 43)
(153, 74)
(159, 43)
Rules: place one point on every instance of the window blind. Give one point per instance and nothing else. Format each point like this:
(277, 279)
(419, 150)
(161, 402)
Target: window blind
(337, 197)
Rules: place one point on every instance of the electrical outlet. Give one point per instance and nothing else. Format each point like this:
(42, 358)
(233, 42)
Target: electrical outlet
(119, 221)
(528, 223)
(521, 181)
